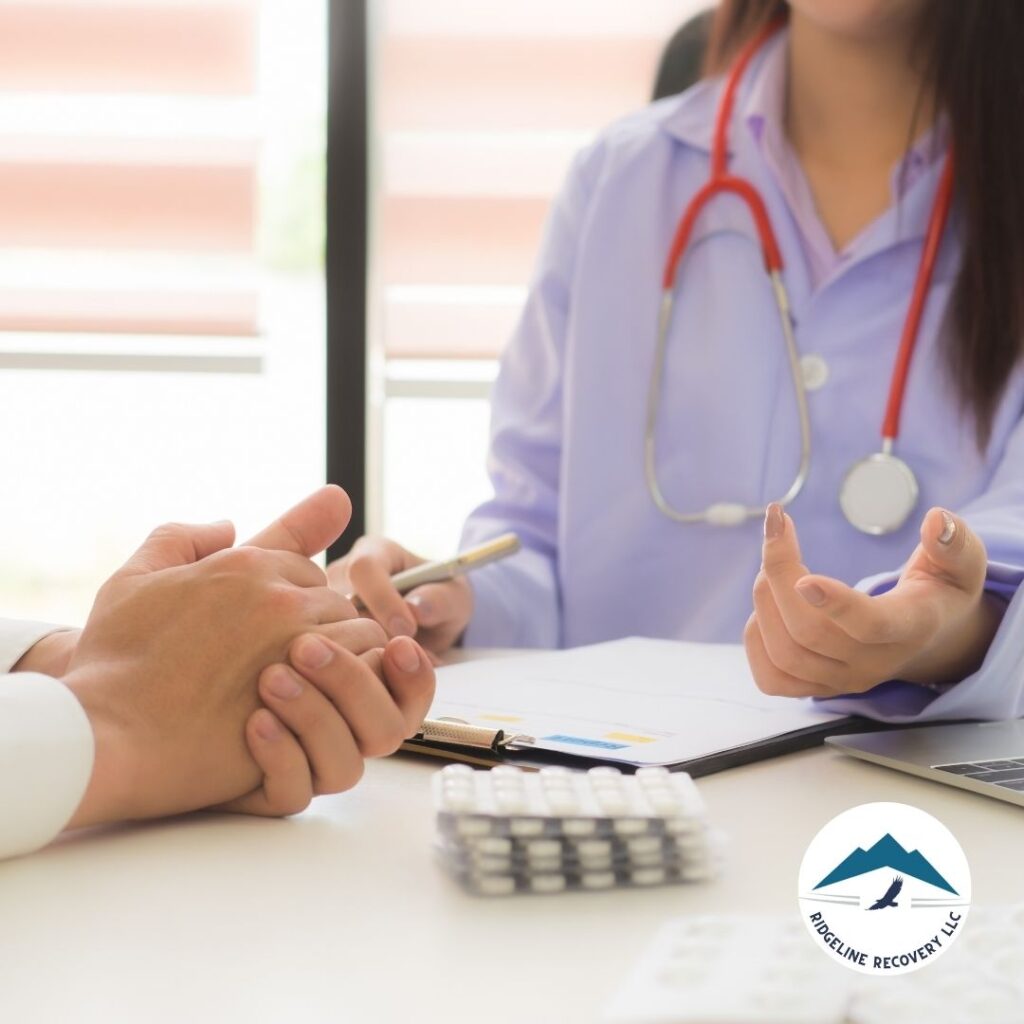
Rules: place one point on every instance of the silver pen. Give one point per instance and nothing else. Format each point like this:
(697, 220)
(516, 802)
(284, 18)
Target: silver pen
(437, 572)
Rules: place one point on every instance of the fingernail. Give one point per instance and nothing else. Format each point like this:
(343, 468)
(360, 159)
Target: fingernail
(406, 654)
(423, 607)
(311, 652)
(267, 727)
(774, 523)
(811, 593)
(401, 626)
(948, 528)
(282, 684)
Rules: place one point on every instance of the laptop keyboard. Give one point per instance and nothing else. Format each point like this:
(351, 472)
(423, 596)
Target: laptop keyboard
(1007, 772)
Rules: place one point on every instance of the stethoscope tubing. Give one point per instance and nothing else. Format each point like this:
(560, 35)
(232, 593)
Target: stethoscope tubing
(720, 182)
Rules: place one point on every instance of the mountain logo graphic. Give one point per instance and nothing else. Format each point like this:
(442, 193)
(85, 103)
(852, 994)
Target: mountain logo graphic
(884, 888)
(886, 853)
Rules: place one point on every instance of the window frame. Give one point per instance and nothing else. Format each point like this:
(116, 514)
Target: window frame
(346, 257)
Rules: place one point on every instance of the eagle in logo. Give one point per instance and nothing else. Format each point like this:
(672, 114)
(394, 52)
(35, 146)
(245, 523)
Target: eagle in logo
(889, 899)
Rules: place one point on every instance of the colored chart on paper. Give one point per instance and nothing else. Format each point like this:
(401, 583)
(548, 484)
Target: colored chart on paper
(633, 701)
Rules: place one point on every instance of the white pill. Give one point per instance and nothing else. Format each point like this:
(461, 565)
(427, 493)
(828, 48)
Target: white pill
(709, 926)
(565, 795)
(648, 876)
(790, 975)
(691, 843)
(647, 860)
(641, 845)
(680, 826)
(681, 975)
(562, 809)
(990, 941)
(665, 806)
(686, 790)
(506, 771)
(508, 782)
(495, 885)
(697, 874)
(458, 802)
(562, 802)
(988, 1004)
(1010, 963)
(510, 803)
(579, 826)
(895, 1002)
(653, 772)
(492, 863)
(867, 1009)
(597, 879)
(630, 826)
(543, 848)
(542, 864)
(603, 771)
(493, 845)
(547, 883)
(526, 826)
(473, 826)
(455, 770)
(778, 999)
(594, 848)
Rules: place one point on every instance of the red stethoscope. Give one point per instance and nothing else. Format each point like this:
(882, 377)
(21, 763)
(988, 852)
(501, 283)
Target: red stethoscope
(879, 492)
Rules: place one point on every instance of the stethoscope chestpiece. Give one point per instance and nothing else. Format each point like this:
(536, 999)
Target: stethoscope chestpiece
(878, 494)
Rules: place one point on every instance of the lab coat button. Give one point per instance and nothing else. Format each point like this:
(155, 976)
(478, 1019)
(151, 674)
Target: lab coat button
(815, 371)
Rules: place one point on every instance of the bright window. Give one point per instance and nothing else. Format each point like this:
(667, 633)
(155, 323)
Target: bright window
(161, 295)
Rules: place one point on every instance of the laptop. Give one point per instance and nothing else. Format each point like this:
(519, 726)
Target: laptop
(984, 757)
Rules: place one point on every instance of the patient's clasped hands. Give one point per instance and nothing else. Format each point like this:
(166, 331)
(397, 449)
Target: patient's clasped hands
(228, 676)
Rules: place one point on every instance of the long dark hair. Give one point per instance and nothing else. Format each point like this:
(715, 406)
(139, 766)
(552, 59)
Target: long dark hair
(974, 65)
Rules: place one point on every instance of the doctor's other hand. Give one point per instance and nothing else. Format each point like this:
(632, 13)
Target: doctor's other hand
(815, 636)
(436, 614)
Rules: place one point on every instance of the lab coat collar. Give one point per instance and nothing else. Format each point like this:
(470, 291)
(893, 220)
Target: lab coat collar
(691, 123)
(692, 120)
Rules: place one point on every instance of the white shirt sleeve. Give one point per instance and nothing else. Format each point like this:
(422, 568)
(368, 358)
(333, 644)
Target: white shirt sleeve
(46, 754)
(17, 636)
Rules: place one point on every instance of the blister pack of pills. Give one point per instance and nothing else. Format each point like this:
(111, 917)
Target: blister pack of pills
(506, 830)
(980, 980)
(700, 970)
(744, 969)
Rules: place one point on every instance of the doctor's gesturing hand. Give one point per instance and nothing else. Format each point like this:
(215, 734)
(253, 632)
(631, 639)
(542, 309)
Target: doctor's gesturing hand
(436, 614)
(815, 636)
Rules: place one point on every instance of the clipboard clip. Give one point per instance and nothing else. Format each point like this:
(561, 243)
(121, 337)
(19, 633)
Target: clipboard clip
(460, 733)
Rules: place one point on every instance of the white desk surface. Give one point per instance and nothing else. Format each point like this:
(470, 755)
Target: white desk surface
(341, 914)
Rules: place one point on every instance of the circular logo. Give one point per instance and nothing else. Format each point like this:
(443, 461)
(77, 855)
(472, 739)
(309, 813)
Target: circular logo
(884, 888)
